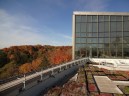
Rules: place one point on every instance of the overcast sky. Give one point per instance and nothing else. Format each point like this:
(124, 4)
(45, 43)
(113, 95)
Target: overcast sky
(46, 22)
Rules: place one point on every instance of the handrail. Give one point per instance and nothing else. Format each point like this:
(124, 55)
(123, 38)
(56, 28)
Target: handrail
(29, 77)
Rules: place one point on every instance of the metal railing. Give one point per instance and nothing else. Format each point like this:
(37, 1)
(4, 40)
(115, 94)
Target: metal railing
(50, 71)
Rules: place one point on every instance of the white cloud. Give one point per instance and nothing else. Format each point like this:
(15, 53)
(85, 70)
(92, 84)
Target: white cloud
(15, 30)
(93, 5)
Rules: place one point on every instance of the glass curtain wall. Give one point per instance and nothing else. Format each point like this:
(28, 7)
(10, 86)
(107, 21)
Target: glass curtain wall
(101, 36)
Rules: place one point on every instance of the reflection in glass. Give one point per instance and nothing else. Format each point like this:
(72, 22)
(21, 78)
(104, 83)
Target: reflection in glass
(106, 26)
(94, 18)
(78, 18)
(101, 18)
(94, 27)
(106, 18)
(77, 34)
(113, 18)
(126, 26)
(101, 26)
(89, 27)
(77, 40)
(126, 34)
(103, 35)
(78, 27)
(83, 18)
(83, 27)
(113, 26)
(82, 40)
(83, 34)
(89, 18)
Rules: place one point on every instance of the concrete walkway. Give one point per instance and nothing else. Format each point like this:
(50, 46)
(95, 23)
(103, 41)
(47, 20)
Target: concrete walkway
(106, 85)
(125, 83)
(122, 68)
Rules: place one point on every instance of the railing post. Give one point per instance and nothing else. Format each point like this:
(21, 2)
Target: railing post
(41, 74)
(24, 82)
(60, 69)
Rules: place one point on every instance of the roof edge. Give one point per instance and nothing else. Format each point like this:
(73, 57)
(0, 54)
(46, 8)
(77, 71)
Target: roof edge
(99, 13)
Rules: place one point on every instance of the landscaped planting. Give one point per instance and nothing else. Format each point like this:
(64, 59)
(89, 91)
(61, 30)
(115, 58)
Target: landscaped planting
(87, 84)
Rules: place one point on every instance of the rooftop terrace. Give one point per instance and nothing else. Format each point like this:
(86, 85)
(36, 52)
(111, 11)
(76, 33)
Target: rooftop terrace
(94, 81)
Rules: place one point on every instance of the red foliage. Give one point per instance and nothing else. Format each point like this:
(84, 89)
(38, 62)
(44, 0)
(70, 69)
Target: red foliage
(60, 55)
(25, 68)
(104, 94)
(92, 87)
(28, 57)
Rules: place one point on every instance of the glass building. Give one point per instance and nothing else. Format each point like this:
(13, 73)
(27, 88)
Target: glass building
(100, 34)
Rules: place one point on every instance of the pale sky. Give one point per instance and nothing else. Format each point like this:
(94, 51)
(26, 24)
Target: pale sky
(46, 22)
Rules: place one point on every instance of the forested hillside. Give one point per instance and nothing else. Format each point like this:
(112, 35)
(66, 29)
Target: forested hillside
(22, 59)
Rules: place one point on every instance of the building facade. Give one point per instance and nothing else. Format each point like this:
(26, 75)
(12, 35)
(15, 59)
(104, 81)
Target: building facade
(100, 34)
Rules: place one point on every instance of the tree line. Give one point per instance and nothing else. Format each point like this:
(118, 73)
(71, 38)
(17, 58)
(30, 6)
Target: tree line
(23, 59)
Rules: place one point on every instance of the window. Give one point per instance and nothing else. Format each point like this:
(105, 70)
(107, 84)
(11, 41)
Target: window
(101, 40)
(89, 34)
(94, 40)
(113, 18)
(83, 19)
(95, 34)
(113, 34)
(114, 40)
(89, 18)
(101, 26)
(119, 46)
(126, 34)
(83, 27)
(77, 34)
(83, 34)
(126, 26)
(126, 18)
(101, 34)
(100, 46)
(106, 18)
(106, 34)
(94, 18)
(94, 27)
(119, 26)
(126, 45)
(89, 27)
(78, 18)
(106, 26)
(113, 26)
(101, 18)
(93, 45)
(77, 47)
(106, 40)
(82, 40)
(77, 40)
(89, 40)
(126, 40)
(77, 27)
(118, 34)
(106, 45)
(118, 18)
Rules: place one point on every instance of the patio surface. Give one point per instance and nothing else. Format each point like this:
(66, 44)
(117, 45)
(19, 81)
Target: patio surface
(106, 85)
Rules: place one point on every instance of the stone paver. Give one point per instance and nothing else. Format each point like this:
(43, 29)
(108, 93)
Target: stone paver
(124, 68)
(106, 85)
(125, 83)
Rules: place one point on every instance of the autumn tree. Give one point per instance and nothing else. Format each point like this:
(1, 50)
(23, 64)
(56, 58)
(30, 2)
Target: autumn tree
(27, 58)
(25, 68)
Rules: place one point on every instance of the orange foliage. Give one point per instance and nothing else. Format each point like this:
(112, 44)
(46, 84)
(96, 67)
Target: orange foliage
(28, 67)
(61, 55)
(38, 56)
(25, 68)
(36, 63)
